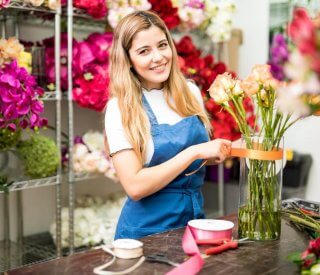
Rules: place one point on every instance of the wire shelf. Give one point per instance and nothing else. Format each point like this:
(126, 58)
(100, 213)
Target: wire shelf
(27, 184)
(34, 249)
(16, 6)
(48, 96)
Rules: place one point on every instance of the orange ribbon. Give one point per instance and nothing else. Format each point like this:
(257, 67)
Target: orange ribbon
(257, 154)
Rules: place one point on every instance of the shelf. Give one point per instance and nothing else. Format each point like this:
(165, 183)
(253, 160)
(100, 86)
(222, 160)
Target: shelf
(16, 6)
(27, 184)
(35, 248)
(49, 96)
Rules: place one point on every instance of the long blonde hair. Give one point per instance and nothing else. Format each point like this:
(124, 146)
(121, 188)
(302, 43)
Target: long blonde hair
(126, 86)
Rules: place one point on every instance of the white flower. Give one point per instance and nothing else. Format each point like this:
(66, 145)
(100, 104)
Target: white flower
(298, 67)
(289, 100)
(237, 90)
(53, 4)
(115, 15)
(36, 3)
(90, 162)
(140, 4)
(79, 151)
(94, 141)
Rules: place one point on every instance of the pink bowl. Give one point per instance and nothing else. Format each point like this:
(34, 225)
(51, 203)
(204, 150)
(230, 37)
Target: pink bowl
(211, 229)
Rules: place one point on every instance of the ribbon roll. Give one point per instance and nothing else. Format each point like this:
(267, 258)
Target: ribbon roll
(124, 249)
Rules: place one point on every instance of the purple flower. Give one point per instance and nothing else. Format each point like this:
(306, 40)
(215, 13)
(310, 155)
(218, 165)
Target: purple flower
(279, 55)
(78, 139)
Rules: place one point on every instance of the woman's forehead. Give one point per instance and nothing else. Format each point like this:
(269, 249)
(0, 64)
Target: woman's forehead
(149, 36)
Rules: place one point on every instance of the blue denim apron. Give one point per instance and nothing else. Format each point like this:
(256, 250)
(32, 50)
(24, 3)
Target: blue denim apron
(178, 202)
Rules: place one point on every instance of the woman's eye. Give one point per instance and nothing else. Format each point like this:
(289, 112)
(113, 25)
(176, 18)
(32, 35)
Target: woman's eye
(163, 45)
(143, 51)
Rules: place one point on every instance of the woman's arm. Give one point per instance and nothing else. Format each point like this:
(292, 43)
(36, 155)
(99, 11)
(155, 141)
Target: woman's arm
(140, 182)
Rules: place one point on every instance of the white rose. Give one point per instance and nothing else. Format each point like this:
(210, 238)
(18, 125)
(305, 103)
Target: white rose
(79, 151)
(53, 4)
(36, 3)
(94, 141)
(237, 90)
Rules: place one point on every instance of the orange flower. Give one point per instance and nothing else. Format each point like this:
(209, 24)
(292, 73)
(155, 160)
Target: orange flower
(250, 85)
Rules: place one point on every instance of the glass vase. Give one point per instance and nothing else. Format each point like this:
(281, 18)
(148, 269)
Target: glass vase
(261, 169)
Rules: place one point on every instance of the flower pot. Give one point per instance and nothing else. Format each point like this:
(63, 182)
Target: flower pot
(259, 213)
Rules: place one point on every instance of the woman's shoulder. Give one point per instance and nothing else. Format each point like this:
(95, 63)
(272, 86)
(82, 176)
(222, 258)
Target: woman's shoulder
(195, 90)
(112, 109)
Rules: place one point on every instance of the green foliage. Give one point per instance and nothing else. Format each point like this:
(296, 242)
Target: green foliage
(8, 139)
(40, 156)
(4, 183)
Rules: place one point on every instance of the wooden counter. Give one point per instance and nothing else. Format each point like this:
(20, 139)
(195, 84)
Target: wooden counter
(267, 257)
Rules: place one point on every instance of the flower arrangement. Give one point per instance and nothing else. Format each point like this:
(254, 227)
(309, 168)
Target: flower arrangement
(89, 68)
(97, 9)
(203, 70)
(308, 261)
(118, 9)
(167, 12)
(40, 156)
(20, 104)
(259, 216)
(297, 62)
(191, 14)
(94, 218)
(89, 155)
(218, 19)
(51, 4)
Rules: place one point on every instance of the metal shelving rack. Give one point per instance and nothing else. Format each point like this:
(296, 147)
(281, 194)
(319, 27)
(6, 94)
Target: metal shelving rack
(75, 17)
(22, 252)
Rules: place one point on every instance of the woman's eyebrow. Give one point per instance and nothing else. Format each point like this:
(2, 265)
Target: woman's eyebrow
(146, 46)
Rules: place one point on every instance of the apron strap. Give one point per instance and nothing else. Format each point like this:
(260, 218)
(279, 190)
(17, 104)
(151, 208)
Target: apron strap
(150, 113)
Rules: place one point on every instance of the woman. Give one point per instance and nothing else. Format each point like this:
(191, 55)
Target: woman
(157, 130)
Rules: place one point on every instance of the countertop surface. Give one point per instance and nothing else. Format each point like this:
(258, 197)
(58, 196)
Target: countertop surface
(261, 257)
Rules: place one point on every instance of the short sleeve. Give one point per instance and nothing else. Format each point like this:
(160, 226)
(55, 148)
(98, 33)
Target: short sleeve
(115, 133)
(196, 92)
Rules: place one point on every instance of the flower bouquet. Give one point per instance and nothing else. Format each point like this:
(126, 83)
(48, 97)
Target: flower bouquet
(261, 166)
(260, 175)
(309, 260)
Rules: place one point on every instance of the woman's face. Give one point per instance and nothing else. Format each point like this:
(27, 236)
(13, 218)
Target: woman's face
(151, 57)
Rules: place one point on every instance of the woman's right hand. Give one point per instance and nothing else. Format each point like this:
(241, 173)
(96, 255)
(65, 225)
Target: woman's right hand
(216, 150)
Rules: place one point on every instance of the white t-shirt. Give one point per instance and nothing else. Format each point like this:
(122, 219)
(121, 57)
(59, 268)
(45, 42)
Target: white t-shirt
(116, 136)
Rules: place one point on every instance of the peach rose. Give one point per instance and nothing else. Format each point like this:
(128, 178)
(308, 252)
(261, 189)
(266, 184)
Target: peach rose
(218, 93)
(250, 85)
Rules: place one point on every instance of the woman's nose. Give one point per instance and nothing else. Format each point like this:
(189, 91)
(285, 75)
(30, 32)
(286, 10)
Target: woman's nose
(156, 56)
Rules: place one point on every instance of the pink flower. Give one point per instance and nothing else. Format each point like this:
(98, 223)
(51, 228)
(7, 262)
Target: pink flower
(92, 89)
(4, 3)
(19, 104)
(100, 45)
(302, 31)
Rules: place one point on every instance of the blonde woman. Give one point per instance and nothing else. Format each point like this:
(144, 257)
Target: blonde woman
(157, 130)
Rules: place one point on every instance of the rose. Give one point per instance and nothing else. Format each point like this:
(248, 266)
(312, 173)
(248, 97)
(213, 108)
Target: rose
(94, 141)
(36, 3)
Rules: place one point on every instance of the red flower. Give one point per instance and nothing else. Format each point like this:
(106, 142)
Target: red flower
(314, 247)
(92, 89)
(166, 11)
(303, 32)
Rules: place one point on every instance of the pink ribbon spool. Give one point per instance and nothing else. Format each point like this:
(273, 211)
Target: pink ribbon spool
(211, 229)
(200, 230)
